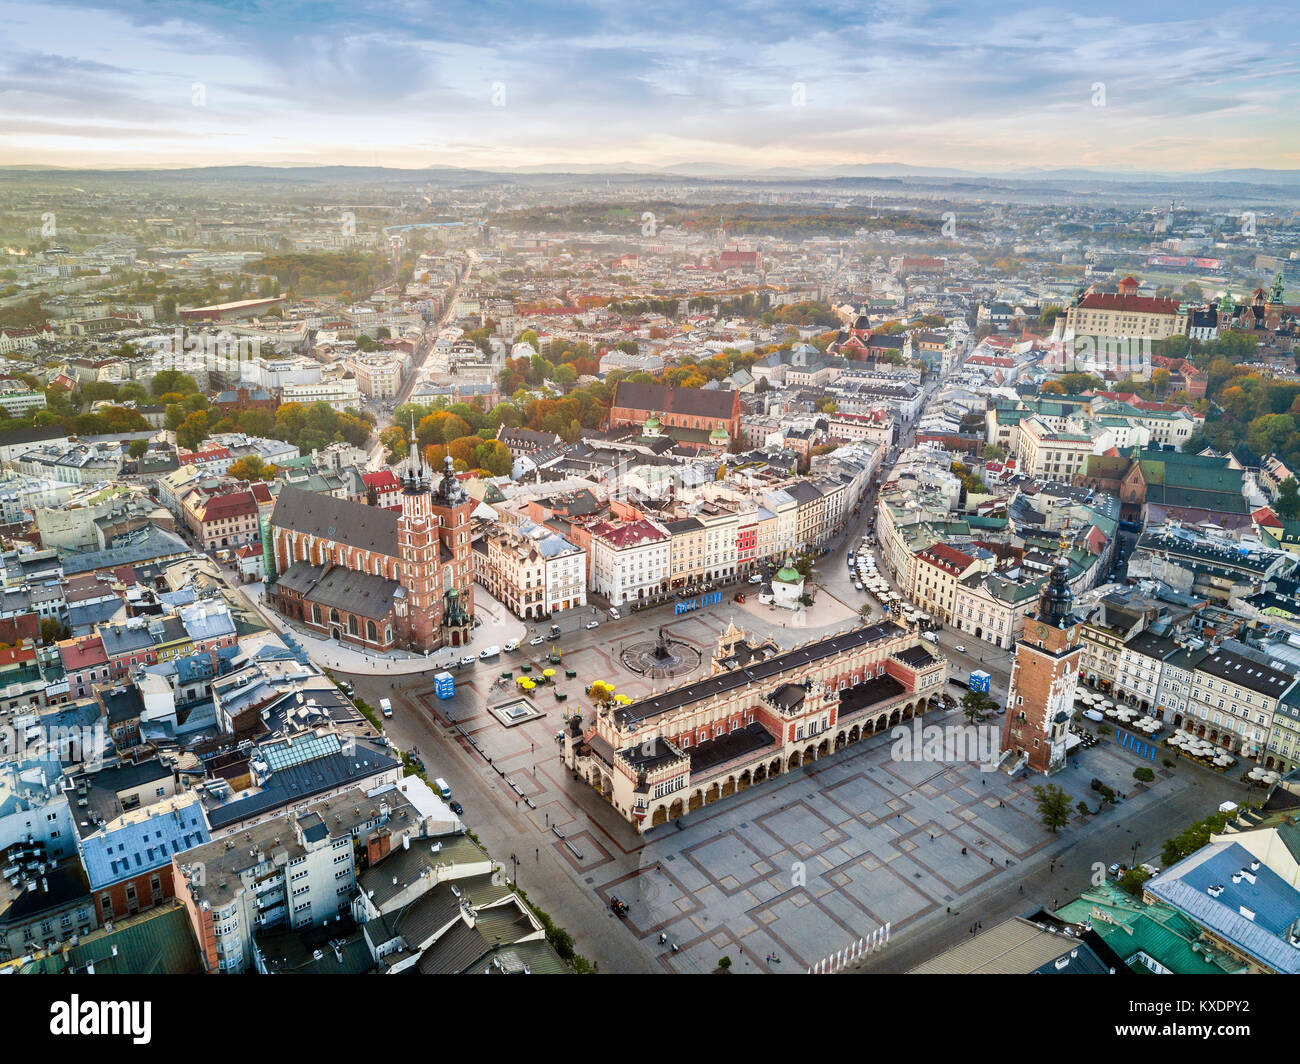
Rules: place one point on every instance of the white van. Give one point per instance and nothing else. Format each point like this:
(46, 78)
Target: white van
(930, 636)
(440, 785)
(614, 615)
(489, 652)
(385, 707)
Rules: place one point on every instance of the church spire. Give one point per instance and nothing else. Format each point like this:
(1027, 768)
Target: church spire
(414, 464)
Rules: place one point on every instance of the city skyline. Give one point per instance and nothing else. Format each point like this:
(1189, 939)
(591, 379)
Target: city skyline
(1178, 87)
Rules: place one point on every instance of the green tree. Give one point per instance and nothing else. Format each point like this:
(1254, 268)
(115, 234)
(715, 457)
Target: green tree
(994, 453)
(1054, 806)
(171, 380)
(252, 467)
(52, 631)
(976, 706)
(192, 431)
(1287, 503)
(1143, 774)
(1132, 880)
(137, 448)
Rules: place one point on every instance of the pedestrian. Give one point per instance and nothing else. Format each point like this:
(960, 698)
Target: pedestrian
(1022, 888)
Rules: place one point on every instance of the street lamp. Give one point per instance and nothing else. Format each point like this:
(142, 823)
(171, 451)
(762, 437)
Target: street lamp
(514, 875)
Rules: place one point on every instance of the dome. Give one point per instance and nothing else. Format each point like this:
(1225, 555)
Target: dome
(719, 435)
(788, 574)
(1056, 598)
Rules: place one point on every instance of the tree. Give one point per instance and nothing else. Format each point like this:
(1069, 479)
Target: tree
(172, 380)
(1054, 806)
(1132, 880)
(976, 705)
(137, 448)
(994, 453)
(1143, 774)
(395, 443)
(192, 431)
(1287, 503)
(252, 467)
(52, 630)
(724, 964)
(1191, 839)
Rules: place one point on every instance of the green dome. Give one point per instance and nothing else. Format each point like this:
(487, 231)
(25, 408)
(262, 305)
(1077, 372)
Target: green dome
(788, 574)
(720, 435)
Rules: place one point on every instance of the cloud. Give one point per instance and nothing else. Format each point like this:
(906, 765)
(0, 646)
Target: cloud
(602, 80)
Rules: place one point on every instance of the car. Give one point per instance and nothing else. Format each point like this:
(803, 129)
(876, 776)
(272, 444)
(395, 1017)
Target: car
(468, 659)
(456, 808)
(614, 615)
(593, 624)
(1117, 869)
(858, 585)
(960, 648)
(488, 652)
(537, 641)
(512, 645)
(756, 579)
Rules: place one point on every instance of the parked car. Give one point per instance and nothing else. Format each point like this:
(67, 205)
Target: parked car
(468, 659)
(489, 652)
(537, 641)
(456, 808)
(960, 648)
(614, 615)
(858, 585)
(593, 624)
(756, 579)
(512, 645)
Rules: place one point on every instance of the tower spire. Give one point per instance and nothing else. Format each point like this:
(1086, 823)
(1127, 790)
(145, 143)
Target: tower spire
(416, 466)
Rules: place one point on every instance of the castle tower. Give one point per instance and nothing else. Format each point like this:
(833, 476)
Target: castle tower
(1040, 700)
(419, 613)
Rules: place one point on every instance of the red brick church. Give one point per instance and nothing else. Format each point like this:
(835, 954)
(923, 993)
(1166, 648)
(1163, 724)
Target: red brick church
(373, 577)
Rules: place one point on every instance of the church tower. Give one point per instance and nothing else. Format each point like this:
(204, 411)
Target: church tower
(1040, 701)
(451, 507)
(419, 612)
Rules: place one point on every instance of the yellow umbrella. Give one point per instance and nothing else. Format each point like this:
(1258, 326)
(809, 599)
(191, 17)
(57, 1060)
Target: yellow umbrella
(548, 673)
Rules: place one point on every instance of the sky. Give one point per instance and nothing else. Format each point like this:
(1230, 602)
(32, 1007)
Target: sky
(754, 85)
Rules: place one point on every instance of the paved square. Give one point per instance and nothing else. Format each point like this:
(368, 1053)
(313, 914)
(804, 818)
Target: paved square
(808, 863)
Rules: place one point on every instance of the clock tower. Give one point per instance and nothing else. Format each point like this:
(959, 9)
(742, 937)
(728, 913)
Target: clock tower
(1040, 700)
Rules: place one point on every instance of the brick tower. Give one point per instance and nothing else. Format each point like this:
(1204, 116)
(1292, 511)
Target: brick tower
(1040, 700)
(451, 507)
(419, 612)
